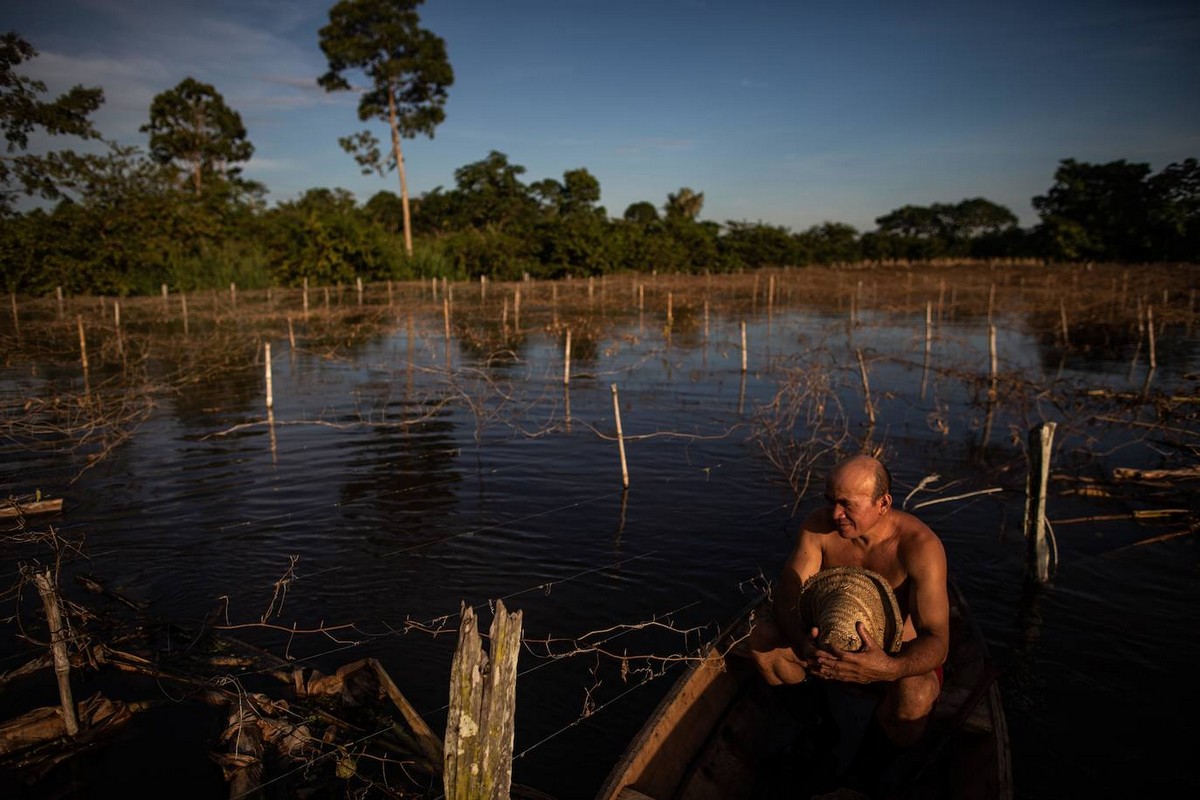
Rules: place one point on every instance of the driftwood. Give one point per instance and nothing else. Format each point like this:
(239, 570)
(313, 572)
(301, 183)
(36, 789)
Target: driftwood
(36, 741)
(15, 507)
(1129, 474)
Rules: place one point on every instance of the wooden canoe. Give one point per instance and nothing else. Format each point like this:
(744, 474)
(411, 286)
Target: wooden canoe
(722, 733)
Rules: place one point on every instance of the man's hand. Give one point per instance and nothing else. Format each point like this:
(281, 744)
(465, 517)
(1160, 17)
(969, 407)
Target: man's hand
(867, 665)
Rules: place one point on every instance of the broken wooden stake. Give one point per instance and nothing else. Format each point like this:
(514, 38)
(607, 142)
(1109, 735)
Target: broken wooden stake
(58, 648)
(479, 726)
(1041, 439)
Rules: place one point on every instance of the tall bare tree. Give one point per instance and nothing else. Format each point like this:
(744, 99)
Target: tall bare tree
(407, 73)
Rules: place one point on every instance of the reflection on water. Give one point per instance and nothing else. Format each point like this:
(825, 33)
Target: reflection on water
(410, 474)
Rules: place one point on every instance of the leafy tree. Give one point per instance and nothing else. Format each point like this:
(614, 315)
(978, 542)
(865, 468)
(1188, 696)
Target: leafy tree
(684, 204)
(977, 217)
(1097, 211)
(22, 113)
(758, 245)
(642, 213)
(1175, 215)
(192, 128)
(408, 72)
(833, 243)
(490, 193)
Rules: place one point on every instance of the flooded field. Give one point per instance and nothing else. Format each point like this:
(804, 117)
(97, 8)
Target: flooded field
(420, 446)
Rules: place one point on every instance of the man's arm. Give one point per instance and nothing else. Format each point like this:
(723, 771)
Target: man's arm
(929, 606)
(804, 562)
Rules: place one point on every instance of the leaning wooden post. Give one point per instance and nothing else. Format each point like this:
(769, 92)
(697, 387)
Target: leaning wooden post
(183, 306)
(862, 370)
(59, 294)
(358, 287)
(16, 321)
(305, 291)
(1041, 438)
(480, 722)
(58, 648)
(620, 438)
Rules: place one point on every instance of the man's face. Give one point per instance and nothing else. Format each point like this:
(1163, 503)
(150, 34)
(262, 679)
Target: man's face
(849, 494)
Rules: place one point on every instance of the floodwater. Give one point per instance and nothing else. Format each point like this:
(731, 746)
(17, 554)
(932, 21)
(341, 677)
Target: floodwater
(402, 474)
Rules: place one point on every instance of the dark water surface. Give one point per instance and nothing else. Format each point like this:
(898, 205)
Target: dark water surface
(406, 489)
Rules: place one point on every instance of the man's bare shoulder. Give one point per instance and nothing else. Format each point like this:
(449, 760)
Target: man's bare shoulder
(916, 539)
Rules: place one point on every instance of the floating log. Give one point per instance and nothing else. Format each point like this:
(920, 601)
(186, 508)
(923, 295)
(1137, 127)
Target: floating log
(1129, 474)
(14, 507)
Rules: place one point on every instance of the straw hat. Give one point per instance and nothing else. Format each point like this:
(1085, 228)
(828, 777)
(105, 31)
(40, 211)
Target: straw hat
(834, 599)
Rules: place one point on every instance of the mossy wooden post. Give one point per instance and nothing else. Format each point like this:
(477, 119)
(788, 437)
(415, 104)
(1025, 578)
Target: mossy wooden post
(58, 649)
(59, 294)
(183, 307)
(479, 726)
(304, 289)
(358, 287)
(1041, 438)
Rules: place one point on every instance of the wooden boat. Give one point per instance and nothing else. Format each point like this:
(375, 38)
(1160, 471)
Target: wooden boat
(721, 732)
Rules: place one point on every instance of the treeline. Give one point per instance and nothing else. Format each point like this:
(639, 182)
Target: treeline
(128, 220)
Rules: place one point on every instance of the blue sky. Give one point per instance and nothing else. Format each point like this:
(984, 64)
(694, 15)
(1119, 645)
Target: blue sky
(787, 113)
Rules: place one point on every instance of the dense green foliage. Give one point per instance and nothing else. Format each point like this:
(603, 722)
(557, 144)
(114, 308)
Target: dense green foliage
(128, 220)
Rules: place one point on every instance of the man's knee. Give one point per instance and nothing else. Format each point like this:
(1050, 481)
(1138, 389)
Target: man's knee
(915, 696)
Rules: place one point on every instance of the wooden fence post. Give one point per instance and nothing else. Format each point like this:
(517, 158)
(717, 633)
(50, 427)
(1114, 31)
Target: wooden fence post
(1037, 537)
(479, 726)
(620, 438)
(867, 404)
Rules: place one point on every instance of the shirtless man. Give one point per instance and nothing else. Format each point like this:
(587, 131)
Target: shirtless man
(859, 527)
